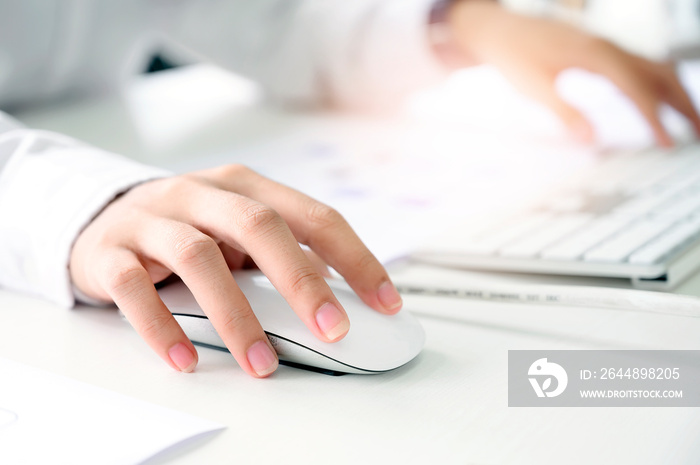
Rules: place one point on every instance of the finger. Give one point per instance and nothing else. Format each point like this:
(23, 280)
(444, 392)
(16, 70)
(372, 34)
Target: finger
(196, 258)
(540, 85)
(260, 232)
(648, 105)
(325, 231)
(130, 286)
(318, 263)
(235, 259)
(678, 98)
(633, 76)
(574, 120)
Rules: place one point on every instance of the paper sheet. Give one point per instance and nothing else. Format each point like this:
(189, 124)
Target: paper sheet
(47, 418)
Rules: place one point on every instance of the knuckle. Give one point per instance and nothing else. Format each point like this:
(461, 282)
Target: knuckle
(166, 189)
(597, 51)
(155, 326)
(303, 279)
(194, 248)
(365, 260)
(321, 216)
(257, 217)
(234, 320)
(170, 187)
(597, 44)
(122, 280)
(233, 171)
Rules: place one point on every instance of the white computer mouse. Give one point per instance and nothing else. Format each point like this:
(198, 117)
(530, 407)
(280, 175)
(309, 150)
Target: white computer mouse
(375, 343)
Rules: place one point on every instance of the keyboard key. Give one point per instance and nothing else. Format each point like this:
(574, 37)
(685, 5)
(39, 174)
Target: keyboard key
(586, 238)
(566, 203)
(504, 234)
(679, 207)
(670, 242)
(609, 175)
(643, 204)
(548, 233)
(682, 179)
(668, 169)
(622, 245)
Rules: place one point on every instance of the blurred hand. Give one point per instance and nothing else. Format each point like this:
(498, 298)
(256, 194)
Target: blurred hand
(531, 52)
(200, 226)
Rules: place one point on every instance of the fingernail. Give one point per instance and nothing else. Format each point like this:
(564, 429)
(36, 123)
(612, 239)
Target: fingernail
(332, 321)
(389, 296)
(182, 357)
(262, 359)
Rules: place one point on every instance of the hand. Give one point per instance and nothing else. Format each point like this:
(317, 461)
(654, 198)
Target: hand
(200, 226)
(531, 52)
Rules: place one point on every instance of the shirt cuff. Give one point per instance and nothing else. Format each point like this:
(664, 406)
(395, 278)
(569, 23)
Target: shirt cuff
(48, 194)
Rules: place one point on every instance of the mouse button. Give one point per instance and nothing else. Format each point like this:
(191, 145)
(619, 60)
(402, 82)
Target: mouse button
(267, 303)
(378, 343)
(375, 340)
(178, 298)
(249, 280)
(199, 330)
(260, 280)
(338, 284)
(271, 309)
(273, 312)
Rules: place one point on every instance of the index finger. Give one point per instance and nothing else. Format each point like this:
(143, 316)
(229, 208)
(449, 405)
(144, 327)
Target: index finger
(196, 258)
(679, 99)
(324, 230)
(634, 76)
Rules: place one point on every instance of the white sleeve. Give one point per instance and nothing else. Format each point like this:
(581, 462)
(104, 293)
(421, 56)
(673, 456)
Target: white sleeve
(362, 54)
(51, 186)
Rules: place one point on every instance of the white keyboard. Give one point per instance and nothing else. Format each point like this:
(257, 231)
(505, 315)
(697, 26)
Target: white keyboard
(636, 215)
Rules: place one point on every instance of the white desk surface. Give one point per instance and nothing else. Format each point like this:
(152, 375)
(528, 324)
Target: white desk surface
(447, 406)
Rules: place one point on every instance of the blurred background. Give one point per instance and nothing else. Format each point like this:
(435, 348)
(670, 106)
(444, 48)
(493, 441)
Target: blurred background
(653, 28)
(469, 145)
